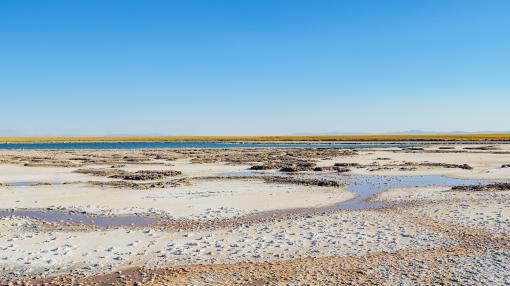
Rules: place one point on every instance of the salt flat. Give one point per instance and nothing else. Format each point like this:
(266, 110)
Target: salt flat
(264, 221)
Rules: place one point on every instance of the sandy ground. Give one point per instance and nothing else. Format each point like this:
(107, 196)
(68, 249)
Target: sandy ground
(486, 164)
(37, 251)
(203, 199)
(208, 199)
(488, 211)
(188, 169)
(428, 235)
(11, 173)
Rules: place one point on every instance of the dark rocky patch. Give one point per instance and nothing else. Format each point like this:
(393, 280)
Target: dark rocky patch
(41, 184)
(282, 180)
(306, 182)
(414, 149)
(342, 170)
(101, 172)
(306, 166)
(323, 169)
(331, 168)
(140, 186)
(275, 159)
(263, 167)
(346, 165)
(143, 175)
(407, 169)
(445, 165)
(483, 148)
(483, 188)
(146, 175)
(49, 163)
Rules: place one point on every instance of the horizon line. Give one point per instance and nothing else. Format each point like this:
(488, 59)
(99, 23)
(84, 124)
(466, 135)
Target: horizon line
(233, 138)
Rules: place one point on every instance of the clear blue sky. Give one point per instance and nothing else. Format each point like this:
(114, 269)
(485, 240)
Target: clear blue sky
(101, 67)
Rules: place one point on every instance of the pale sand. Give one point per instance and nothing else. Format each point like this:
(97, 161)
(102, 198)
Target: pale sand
(210, 199)
(486, 165)
(189, 169)
(28, 249)
(11, 173)
(488, 211)
(204, 199)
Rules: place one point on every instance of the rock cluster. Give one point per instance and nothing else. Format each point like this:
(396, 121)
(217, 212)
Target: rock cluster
(299, 167)
(146, 175)
(141, 186)
(300, 181)
(142, 175)
(445, 165)
(483, 188)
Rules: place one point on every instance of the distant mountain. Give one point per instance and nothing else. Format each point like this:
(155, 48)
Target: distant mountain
(421, 132)
(407, 132)
(327, 133)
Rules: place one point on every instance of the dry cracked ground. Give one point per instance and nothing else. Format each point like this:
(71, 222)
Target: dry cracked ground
(432, 214)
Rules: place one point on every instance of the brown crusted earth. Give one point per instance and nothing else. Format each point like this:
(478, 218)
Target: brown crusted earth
(141, 186)
(279, 180)
(142, 175)
(419, 266)
(483, 188)
(371, 269)
(276, 159)
(287, 159)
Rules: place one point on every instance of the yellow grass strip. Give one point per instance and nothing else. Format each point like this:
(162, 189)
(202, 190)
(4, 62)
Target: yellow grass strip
(432, 137)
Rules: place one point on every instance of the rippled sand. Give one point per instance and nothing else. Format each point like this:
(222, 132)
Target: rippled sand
(423, 235)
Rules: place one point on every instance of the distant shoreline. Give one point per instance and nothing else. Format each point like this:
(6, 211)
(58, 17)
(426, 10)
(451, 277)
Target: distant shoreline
(266, 139)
